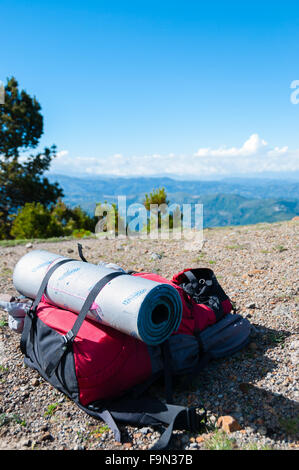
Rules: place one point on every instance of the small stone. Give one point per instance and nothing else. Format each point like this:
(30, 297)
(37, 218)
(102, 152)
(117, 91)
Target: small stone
(250, 305)
(228, 424)
(262, 430)
(244, 387)
(193, 445)
(35, 382)
(145, 430)
(29, 245)
(212, 419)
(25, 443)
(155, 256)
(47, 437)
(294, 345)
(128, 445)
(70, 250)
(254, 272)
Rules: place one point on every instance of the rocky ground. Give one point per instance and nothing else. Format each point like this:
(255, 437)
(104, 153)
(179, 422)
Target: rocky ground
(257, 388)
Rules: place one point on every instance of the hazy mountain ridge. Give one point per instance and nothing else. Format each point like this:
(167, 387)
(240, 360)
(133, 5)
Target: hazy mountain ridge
(226, 202)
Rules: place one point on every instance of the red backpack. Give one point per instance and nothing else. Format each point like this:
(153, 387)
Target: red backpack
(106, 372)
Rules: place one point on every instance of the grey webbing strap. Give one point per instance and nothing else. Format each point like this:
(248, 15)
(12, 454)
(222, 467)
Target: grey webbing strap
(44, 283)
(89, 301)
(69, 337)
(28, 327)
(192, 278)
(80, 251)
(166, 356)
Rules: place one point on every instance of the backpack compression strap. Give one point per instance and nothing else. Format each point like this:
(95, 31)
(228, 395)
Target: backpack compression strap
(28, 327)
(44, 283)
(67, 339)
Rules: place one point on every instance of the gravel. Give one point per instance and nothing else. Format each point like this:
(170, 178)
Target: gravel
(258, 268)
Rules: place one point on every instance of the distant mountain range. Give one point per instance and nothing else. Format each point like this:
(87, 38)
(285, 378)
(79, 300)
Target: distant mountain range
(234, 201)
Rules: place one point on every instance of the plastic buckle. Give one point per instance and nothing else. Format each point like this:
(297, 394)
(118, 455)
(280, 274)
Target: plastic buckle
(31, 312)
(68, 338)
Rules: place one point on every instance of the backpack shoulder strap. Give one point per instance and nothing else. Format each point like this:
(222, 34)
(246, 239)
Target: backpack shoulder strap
(105, 416)
(148, 411)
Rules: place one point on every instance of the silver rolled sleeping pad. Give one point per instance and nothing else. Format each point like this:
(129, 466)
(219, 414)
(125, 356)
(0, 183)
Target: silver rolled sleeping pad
(145, 309)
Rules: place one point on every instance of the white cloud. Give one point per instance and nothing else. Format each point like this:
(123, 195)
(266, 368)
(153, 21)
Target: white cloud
(253, 145)
(62, 153)
(254, 156)
(278, 151)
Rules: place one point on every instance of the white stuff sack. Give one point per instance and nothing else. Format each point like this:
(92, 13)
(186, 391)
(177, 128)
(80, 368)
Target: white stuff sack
(16, 313)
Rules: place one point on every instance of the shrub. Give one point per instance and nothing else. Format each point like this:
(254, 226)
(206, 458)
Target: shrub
(72, 219)
(81, 233)
(35, 221)
(4, 227)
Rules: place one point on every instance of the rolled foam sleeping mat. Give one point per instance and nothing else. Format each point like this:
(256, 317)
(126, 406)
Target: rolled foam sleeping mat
(148, 310)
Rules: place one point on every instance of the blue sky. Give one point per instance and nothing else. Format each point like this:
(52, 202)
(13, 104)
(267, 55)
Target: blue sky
(147, 87)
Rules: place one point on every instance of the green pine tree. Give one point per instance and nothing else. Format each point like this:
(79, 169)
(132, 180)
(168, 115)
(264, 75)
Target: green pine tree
(21, 174)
